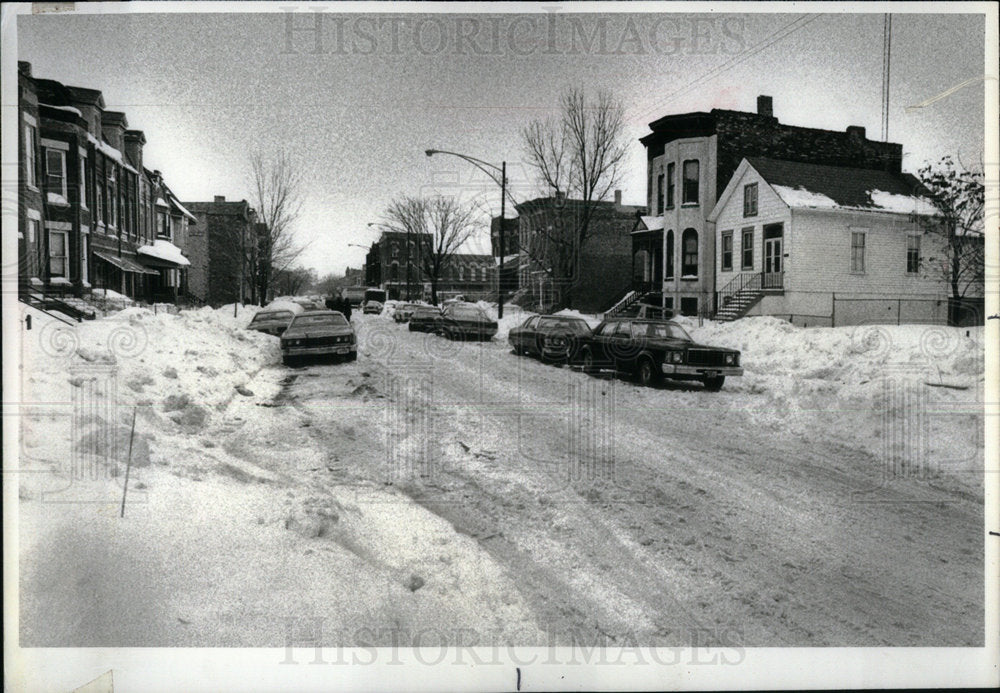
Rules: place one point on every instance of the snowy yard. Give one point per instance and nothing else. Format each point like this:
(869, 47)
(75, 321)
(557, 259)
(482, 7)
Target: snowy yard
(434, 484)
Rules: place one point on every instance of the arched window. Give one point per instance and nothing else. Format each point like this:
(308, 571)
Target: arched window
(689, 250)
(670, 254)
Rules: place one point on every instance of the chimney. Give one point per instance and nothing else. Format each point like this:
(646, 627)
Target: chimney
(24, 67)
(765, 106)
(220, 198)
(856, 132)
(134, 140)
(618, 198)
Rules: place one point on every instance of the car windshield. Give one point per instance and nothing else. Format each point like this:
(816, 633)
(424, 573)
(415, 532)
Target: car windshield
(273, 315)
(660, 330)
(329, 319)
(564, 324)
(425, 312)
(468, 312)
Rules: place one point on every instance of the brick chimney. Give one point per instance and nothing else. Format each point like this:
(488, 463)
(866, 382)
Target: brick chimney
(220, 198)
(618, 198)
(765, 106)
(856, 132)
(134, 140)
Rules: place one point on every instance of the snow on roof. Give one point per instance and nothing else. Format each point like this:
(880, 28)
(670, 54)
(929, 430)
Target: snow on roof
(110, 152)
(164, 250)
(817, 186)
(160, 202)
(176, 203)
(508, 259)
(68, 109)
(652, 223)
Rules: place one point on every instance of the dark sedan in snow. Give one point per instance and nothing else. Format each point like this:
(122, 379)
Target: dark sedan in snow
(465, 321)
(274, 318)
(318, 333)
(654, 349)
(551, 337)
(424, 318)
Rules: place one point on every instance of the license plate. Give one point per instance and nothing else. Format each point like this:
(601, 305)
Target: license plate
(342, 350)
(711, 374)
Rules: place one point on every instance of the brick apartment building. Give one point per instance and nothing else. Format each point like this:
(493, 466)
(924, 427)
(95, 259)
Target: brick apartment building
(90, 214)
(216, 246)
(691, 158)
(393, 263)
(603, 271)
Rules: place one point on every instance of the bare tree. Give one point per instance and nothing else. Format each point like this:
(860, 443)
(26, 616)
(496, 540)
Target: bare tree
(276, 183)
(958, 195)
(441, 226)
(293, 281)
(578, 158)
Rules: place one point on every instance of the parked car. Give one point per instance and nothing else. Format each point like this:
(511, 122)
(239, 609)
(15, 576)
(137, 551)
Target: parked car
(556, 337)
(372, 307)
(653, 349)
(424, 318)
(318, 333)
(465, 320)
(274, 317)
(309, 304)
(404, 311)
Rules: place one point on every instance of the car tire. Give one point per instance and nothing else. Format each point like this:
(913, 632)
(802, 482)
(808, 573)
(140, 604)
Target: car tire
(646, 373)
(714, 384)
(587, 360)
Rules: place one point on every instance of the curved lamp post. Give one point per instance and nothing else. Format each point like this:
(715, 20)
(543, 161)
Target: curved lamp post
(490, 170)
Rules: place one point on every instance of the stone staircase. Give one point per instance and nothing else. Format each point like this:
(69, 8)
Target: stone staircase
(69, 306)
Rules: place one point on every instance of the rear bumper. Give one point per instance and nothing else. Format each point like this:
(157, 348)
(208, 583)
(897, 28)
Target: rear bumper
(700, 371)
(328, 349)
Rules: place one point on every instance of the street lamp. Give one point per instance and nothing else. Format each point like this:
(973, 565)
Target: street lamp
(490, 170)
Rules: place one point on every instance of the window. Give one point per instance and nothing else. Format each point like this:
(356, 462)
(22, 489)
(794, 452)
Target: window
(747, 249)
(395, 249)
(689, 305)
(912, 254)
(750, 200)
(58, 254)
(531, 323)
(858, 251)
(607, 329)
(162, 225)
(689, 250)
(99, 203)
(659, 194)
(394, 271)
(84, 251)
(727, 251)
(624, 329)
(690, 190)
(33, 227)
(112, 197)
(83, 181)
(670, 254)
(30, 154)
(55, 172)
(670, 185)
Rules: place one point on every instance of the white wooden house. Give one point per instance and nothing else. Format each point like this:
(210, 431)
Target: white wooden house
(825, 245)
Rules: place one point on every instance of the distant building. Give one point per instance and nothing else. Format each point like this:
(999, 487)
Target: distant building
(217, 244)
(546, 239)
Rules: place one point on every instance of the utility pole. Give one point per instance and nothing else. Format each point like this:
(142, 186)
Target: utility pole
(503, 248)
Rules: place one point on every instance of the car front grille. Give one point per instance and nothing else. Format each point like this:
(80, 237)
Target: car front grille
(706, 357)
(323, 341)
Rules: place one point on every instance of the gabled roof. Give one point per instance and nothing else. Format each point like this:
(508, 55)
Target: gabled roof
(815, 186)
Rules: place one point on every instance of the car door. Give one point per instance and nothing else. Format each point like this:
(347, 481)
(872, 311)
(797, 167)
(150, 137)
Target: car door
(600, 342)
(621, 346)
(525, 332)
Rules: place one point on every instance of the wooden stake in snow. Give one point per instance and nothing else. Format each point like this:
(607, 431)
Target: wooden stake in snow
(128, 463)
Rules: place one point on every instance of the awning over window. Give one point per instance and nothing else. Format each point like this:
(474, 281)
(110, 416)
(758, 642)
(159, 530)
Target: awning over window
(124, 264)
(162, 253)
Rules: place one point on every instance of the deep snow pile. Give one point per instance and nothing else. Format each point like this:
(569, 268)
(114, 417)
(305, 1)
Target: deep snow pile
(174, 371)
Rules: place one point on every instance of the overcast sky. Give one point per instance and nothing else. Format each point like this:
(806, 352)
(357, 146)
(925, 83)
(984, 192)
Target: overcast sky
(359, 102)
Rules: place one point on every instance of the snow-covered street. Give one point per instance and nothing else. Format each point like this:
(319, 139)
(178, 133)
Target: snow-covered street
(830, 496)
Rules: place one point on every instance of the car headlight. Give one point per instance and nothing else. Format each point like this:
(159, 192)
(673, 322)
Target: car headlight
(676, 357)
(730, 359)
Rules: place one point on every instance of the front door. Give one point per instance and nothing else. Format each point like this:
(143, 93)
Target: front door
(773, 270)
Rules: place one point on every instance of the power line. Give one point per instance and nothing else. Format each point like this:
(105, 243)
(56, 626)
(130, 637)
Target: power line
(779, 35)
